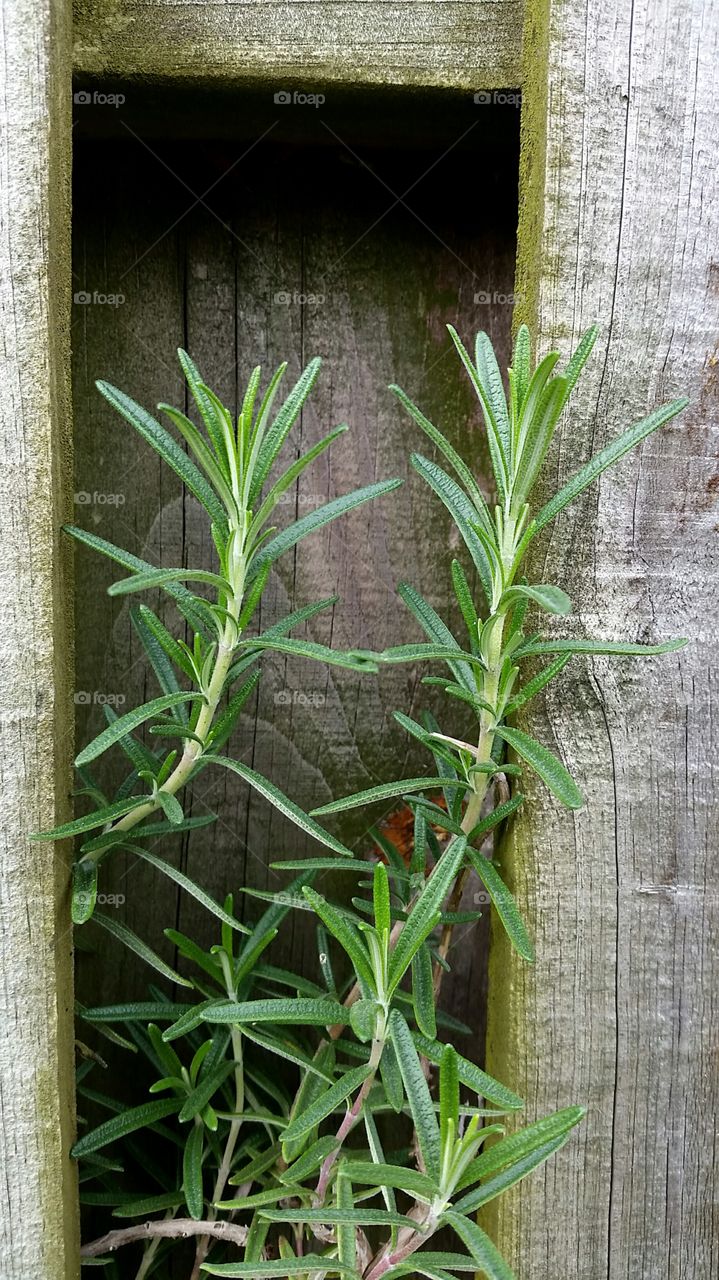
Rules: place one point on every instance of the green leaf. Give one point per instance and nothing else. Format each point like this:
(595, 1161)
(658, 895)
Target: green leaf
(207, 410)
(132, 720)
(168, 449)
(142, 1208)
(192, 1172)
(315, 520)
(363, 1019)
(504, 905)
(485, 1254)
(536, 438)
(380, 895)
(321, 864)
(391, 1077)
(213, 467)
(365, 1173)
(594, 468)
(346, 1233)
(494, 433)
(617, 647)
(302, 1013)
(466, 603)
(281, 802)
(140, 948)
(438, 632)
(580, 357)
(385, 791)
(428, 653)
(346, 934)
(423, 991)
(453, 458)
(524, 1142)
(160, 577)
(135, 1011)
(326, 1103)
(432, 1264)
(550, 598)
(285, 1048)
(184, 599)
(309, 1264)
(126, 1122)
(98, 818)
(222, 729)
(426, 910)
(545, 764)
(161, 651)
(463, 513)
(331, 1216)
(308, 649)
(282, 425)
(491, 380)
(170, 806)
(534, 686)
(288, 479)
(448, 1092)
(484, 1085)
(418, 1095)
(205, 1090)
(311, 1087)
(521, 364)
(189, 886)
(308, 1163)
(84, 890)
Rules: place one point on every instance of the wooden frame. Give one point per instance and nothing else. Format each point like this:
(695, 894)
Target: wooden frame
(40, 1231)
(618, 189)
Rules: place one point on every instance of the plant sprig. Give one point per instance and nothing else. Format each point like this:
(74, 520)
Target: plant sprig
(264, 1073)
(227, 470)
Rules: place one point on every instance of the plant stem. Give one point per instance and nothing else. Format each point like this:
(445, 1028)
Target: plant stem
(177, 1228)
(408, 1241)
(350, 1119)
(193, 750)
(223, 1173)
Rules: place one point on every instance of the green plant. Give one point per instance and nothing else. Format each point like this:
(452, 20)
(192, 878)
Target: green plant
(317, 1191)
(230, 477)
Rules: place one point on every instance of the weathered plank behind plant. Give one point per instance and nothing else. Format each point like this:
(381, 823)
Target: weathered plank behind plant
(228, 290)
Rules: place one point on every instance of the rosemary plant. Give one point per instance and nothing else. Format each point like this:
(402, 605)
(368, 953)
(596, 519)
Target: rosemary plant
(283, 1168)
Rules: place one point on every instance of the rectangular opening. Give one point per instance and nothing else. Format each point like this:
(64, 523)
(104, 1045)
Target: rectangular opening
(251, 232)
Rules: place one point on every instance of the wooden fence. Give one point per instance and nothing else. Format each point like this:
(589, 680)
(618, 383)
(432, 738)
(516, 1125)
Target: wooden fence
(209, 215)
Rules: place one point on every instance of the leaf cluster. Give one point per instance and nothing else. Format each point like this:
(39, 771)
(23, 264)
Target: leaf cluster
(271, 1091)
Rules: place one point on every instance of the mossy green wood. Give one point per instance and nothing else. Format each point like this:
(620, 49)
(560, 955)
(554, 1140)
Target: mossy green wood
(283, 44)
(622, 897)
(38, 1183)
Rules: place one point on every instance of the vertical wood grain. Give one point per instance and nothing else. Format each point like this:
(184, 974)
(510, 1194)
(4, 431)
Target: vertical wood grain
(619, 225)
(38, 1213)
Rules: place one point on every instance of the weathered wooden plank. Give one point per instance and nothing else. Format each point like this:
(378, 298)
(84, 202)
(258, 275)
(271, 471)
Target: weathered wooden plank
(287, 45)
(233, 293)
(38, 1214)
(619, 225)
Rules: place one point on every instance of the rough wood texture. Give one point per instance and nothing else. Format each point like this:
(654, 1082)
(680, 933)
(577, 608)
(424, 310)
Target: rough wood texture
(619, 225)
(38, 1212)
(229, 290)
(427, 42)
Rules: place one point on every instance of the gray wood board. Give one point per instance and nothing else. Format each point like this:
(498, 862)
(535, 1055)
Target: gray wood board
(619, 1012)
(427, 42)
(38, 1185)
